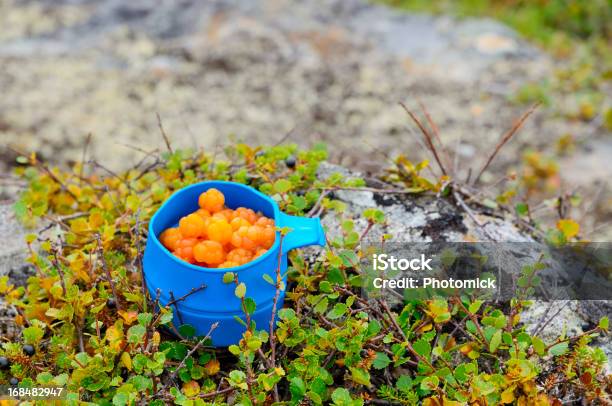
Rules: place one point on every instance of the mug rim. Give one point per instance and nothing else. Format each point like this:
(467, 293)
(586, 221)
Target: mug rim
(273, 249)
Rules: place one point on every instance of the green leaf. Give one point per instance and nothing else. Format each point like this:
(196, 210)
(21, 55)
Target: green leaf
(338, 311)
(176, 351)
(360, 376)
(297, 388)
(187, 330)
(604, 323)
(522, 209)
(145, 318)
(166, 316)
(44, 378)
(374, 215)
(269, 279)
(404, 383)
(558, 349)
(422, 347)
(349, 258)
(341, 397)
(475, 306)
(33, 334)
(141, 383)
(240, 290)
(228, 277)
(321, 307)
(282, 186)
(381, 361)
(430, 383)
(120, 399)
(240, 321)
(136, 333)
(286, 314)
(249, 305)
(495, 341)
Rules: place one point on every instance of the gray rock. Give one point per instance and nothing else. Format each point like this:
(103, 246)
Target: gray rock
(12, 245)
(414, 219)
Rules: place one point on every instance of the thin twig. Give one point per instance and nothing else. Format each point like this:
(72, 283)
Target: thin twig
(107, 271)
(189, 354)
(541, 325)
(505, 138)
(427, 137)
(143, 286)
(110, 172)
(217, 393)
(397, 327)
(318, 203)
(285, 137)
(48, 172)
(436, 134)
(163, 133)
(60, 271)
(178, 313)
(473, 319)
(471, 214)
(79, 326)
(279, 281)
(191, 292)
(84, 154)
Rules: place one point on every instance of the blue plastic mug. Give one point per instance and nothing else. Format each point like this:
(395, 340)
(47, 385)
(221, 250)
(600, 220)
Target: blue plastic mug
(217, 302)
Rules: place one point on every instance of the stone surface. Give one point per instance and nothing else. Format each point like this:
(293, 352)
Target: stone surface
(413, 218)
(548, 320)
(12, 245)
(255, 70)
(422, 219)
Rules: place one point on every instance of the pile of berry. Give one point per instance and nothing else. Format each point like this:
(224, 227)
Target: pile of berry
(217, 237)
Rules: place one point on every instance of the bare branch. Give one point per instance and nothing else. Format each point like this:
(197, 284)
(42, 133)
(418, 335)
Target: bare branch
(163, 133)
(427, 137)
(505, 138)
(107, 271)
(189, 354)
(436, 133)
(191, 292)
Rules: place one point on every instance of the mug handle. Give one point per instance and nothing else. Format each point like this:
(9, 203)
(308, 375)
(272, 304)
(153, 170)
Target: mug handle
(304, 231)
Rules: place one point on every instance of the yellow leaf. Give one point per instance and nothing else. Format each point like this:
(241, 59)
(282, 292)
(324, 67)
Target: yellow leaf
(4, 286)
(156, 338)
(95, 220)
(466, 348)
(568, 227)
(507, 396)
(79, 226)
(191, 388)
(542, 400)
(114, 336)
(212, 367)
(126, 360)
(74, 189)
(129, 316)
(425, 328)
